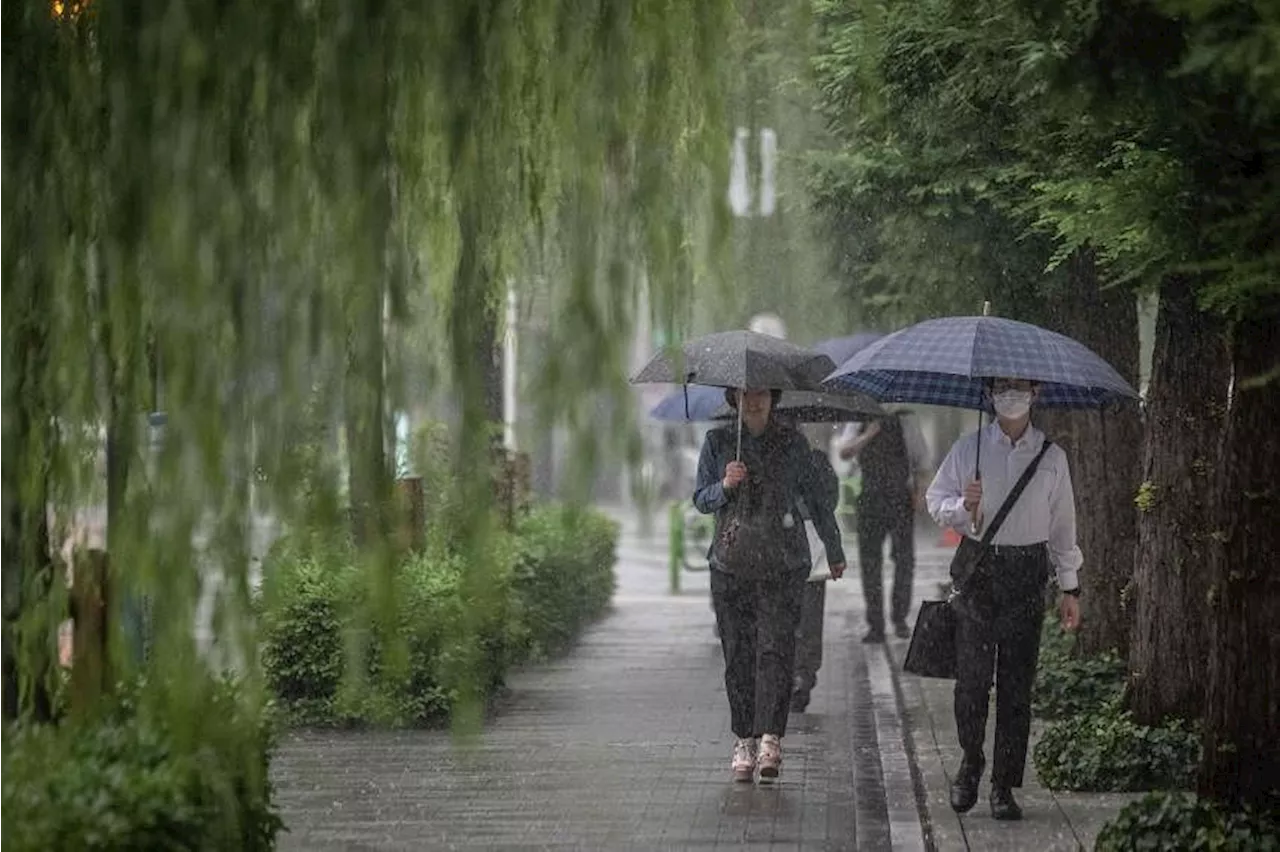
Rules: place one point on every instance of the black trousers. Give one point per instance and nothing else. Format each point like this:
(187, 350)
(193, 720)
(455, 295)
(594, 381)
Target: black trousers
(878, 519)
(813, 602)
(998, 620)
(757, 621)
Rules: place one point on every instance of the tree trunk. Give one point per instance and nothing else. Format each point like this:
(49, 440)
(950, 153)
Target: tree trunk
(28, 456)
(1242, 715)
(1188, 394)
(369, 481)
(1100, 450)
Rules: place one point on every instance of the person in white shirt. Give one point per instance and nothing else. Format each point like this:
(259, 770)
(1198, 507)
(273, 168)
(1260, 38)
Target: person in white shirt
(894, 459)
(998, 628)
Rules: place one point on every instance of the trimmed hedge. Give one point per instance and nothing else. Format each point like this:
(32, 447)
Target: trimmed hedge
(1106, 751)
(563, 577)
(539, 587)
(1184, 822)
(123, 782)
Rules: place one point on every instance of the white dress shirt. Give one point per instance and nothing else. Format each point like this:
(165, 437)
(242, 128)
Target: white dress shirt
(1046, 511)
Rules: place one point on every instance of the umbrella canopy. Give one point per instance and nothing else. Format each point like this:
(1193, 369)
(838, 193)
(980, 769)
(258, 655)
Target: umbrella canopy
(841, 349)
(739, 359)
(945, 362)
(708, 403)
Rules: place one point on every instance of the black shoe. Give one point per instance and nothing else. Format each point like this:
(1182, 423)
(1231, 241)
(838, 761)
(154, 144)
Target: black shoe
(901, 630)
(964, 790)
(799, 701)
(873, 637)
(1003, 805)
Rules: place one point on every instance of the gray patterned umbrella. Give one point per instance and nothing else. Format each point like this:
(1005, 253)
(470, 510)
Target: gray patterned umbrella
(701, 404)
(739, 359)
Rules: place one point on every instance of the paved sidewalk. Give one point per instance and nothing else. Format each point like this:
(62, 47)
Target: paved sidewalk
(622, 744)
(1053, 821)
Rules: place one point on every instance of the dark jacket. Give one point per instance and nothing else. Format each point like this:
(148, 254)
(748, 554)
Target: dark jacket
(804, 481)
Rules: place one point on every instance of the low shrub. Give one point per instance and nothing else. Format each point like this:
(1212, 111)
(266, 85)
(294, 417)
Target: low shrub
(563, 575)
(302, 612)
(1184, 822)
(318, 616)
(418, 649)
(129, 780)
(1106, 751)
(1068, 684)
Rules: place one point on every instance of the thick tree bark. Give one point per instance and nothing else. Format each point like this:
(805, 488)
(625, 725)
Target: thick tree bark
(1187, 402)
(1242, 713)
(1100, 450)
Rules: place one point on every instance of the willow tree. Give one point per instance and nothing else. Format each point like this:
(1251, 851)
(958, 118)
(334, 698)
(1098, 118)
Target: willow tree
(250, 192)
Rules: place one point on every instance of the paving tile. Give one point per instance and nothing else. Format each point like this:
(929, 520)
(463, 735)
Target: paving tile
(622, 744)
(1052, 823)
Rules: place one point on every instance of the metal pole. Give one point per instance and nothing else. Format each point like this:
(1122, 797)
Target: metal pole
(675, 553)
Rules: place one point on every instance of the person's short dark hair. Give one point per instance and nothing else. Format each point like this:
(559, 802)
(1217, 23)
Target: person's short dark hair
(990, 382)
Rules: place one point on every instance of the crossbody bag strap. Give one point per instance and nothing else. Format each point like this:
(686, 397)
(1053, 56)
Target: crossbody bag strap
(1018, 488)
(802, 508)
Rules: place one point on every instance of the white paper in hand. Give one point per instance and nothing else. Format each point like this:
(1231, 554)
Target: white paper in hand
(820, 569)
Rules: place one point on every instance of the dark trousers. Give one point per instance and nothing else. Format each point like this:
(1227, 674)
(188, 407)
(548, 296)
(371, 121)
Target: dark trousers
(813, 602)
(757, 621)
(876, 521)
(998, 620)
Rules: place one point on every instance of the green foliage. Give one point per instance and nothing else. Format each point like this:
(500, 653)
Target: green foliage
(564, 574)
(911, 198)
(128, 780)
(1104, 750)
(1145, 499)
(332, 657)
(1068, 684)
(1183, 822)
(1016, 122)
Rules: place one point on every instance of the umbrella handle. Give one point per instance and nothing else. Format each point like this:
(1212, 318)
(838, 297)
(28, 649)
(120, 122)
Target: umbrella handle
(739, 407)
(976, 524)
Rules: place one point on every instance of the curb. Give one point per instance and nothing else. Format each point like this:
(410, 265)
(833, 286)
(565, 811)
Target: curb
(904, 791)
(908, 741)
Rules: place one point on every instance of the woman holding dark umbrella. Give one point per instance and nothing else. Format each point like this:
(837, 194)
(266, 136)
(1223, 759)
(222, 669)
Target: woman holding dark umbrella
(758, 477)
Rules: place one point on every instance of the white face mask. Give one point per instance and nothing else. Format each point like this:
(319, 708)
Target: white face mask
(1012, 404)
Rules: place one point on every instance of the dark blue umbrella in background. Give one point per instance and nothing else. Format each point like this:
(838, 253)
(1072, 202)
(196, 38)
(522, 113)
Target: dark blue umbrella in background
(690, 404)
(948, 361)
(841, 349)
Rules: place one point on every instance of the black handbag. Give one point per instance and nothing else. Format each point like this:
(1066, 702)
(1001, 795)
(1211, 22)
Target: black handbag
(932, 652)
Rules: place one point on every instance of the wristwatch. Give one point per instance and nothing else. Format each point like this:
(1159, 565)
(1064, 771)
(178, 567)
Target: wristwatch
(1075, 593)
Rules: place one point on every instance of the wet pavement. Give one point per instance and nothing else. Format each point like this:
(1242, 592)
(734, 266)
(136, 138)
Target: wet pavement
(1052, 822)
(624, 744)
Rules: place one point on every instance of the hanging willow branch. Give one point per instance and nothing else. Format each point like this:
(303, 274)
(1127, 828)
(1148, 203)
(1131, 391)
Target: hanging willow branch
(244, 193)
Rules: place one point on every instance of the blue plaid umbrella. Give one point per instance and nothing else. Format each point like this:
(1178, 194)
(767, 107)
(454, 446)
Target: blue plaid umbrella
(945, 362)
